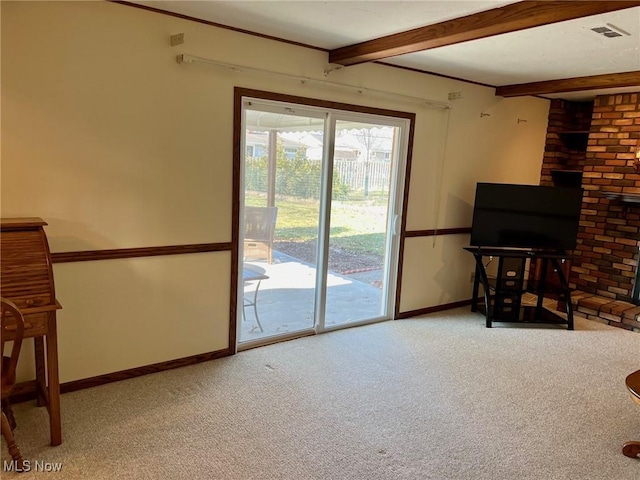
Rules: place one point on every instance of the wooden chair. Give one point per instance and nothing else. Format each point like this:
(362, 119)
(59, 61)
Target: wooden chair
(259, 227)
(13, 321)
(632, 449)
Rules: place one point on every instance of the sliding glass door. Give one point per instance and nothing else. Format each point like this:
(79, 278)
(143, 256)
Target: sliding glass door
(361, 221)
(321, 194)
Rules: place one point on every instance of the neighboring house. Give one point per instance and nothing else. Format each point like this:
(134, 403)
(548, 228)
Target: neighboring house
(352, 149)
(351, 145)
(257, 145)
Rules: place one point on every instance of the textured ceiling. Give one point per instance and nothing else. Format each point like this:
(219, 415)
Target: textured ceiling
(562, 50)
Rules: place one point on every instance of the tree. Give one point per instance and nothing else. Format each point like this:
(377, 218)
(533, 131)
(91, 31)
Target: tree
(370, 142)
(297, 177)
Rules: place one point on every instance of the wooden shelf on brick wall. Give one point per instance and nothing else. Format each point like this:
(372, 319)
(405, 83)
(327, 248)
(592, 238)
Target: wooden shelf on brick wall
(575, 139)
(633, 198)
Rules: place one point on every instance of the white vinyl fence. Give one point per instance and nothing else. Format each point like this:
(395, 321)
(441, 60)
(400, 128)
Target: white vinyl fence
(354, 174)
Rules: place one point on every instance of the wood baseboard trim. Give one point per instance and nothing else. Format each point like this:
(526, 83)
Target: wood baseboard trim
(90, 255)
(27, 390)
(437, 232)
(437, 308)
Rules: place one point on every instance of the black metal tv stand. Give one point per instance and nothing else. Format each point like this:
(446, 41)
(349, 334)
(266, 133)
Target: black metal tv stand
(503, 295)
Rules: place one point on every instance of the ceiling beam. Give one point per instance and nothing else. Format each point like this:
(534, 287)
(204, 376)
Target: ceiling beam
(610, 80)
(510, 18)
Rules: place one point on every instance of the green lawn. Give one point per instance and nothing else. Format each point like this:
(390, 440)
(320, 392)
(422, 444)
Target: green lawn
(357, 225)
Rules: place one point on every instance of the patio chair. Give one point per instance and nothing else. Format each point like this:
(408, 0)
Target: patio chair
(252, 273)
(259, 227)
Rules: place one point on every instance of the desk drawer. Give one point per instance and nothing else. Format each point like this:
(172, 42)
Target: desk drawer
(34, 325)
(31, 300)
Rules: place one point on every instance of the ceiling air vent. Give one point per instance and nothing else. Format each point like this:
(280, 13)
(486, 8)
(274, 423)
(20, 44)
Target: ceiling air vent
(610, 31)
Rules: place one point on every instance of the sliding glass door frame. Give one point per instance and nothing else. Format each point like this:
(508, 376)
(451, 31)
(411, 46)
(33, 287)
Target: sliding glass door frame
(332, 113)
(322, 254)
(276, 107)
(394, 210)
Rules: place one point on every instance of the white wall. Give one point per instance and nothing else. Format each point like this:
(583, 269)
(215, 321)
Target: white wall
(116, 145)
(446, 167)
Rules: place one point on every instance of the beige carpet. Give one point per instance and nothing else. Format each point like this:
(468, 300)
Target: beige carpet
(438, 397)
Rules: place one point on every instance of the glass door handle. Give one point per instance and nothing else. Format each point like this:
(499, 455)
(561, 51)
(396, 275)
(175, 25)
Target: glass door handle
(397, 223)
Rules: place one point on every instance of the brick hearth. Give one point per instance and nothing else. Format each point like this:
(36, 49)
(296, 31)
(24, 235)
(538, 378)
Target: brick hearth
(606, 310)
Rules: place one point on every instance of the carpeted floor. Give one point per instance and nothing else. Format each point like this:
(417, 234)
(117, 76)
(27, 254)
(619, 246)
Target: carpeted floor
(436, 397)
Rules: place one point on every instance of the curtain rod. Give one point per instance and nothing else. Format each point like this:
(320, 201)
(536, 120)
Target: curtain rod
(185, 58)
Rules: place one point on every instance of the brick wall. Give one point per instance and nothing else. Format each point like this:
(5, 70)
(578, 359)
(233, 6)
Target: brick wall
(607, 252)
(606, 256)
(564, 151)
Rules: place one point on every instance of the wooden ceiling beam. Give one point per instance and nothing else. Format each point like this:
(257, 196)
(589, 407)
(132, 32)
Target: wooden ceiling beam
(510, 18)
(577, 84)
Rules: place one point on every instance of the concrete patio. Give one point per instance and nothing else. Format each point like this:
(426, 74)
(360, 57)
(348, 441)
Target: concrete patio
(285, 301)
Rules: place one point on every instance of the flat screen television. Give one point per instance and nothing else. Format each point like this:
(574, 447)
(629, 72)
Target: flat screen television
(526, 216)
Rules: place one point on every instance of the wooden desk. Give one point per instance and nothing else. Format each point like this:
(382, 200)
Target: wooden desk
(26, 279)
